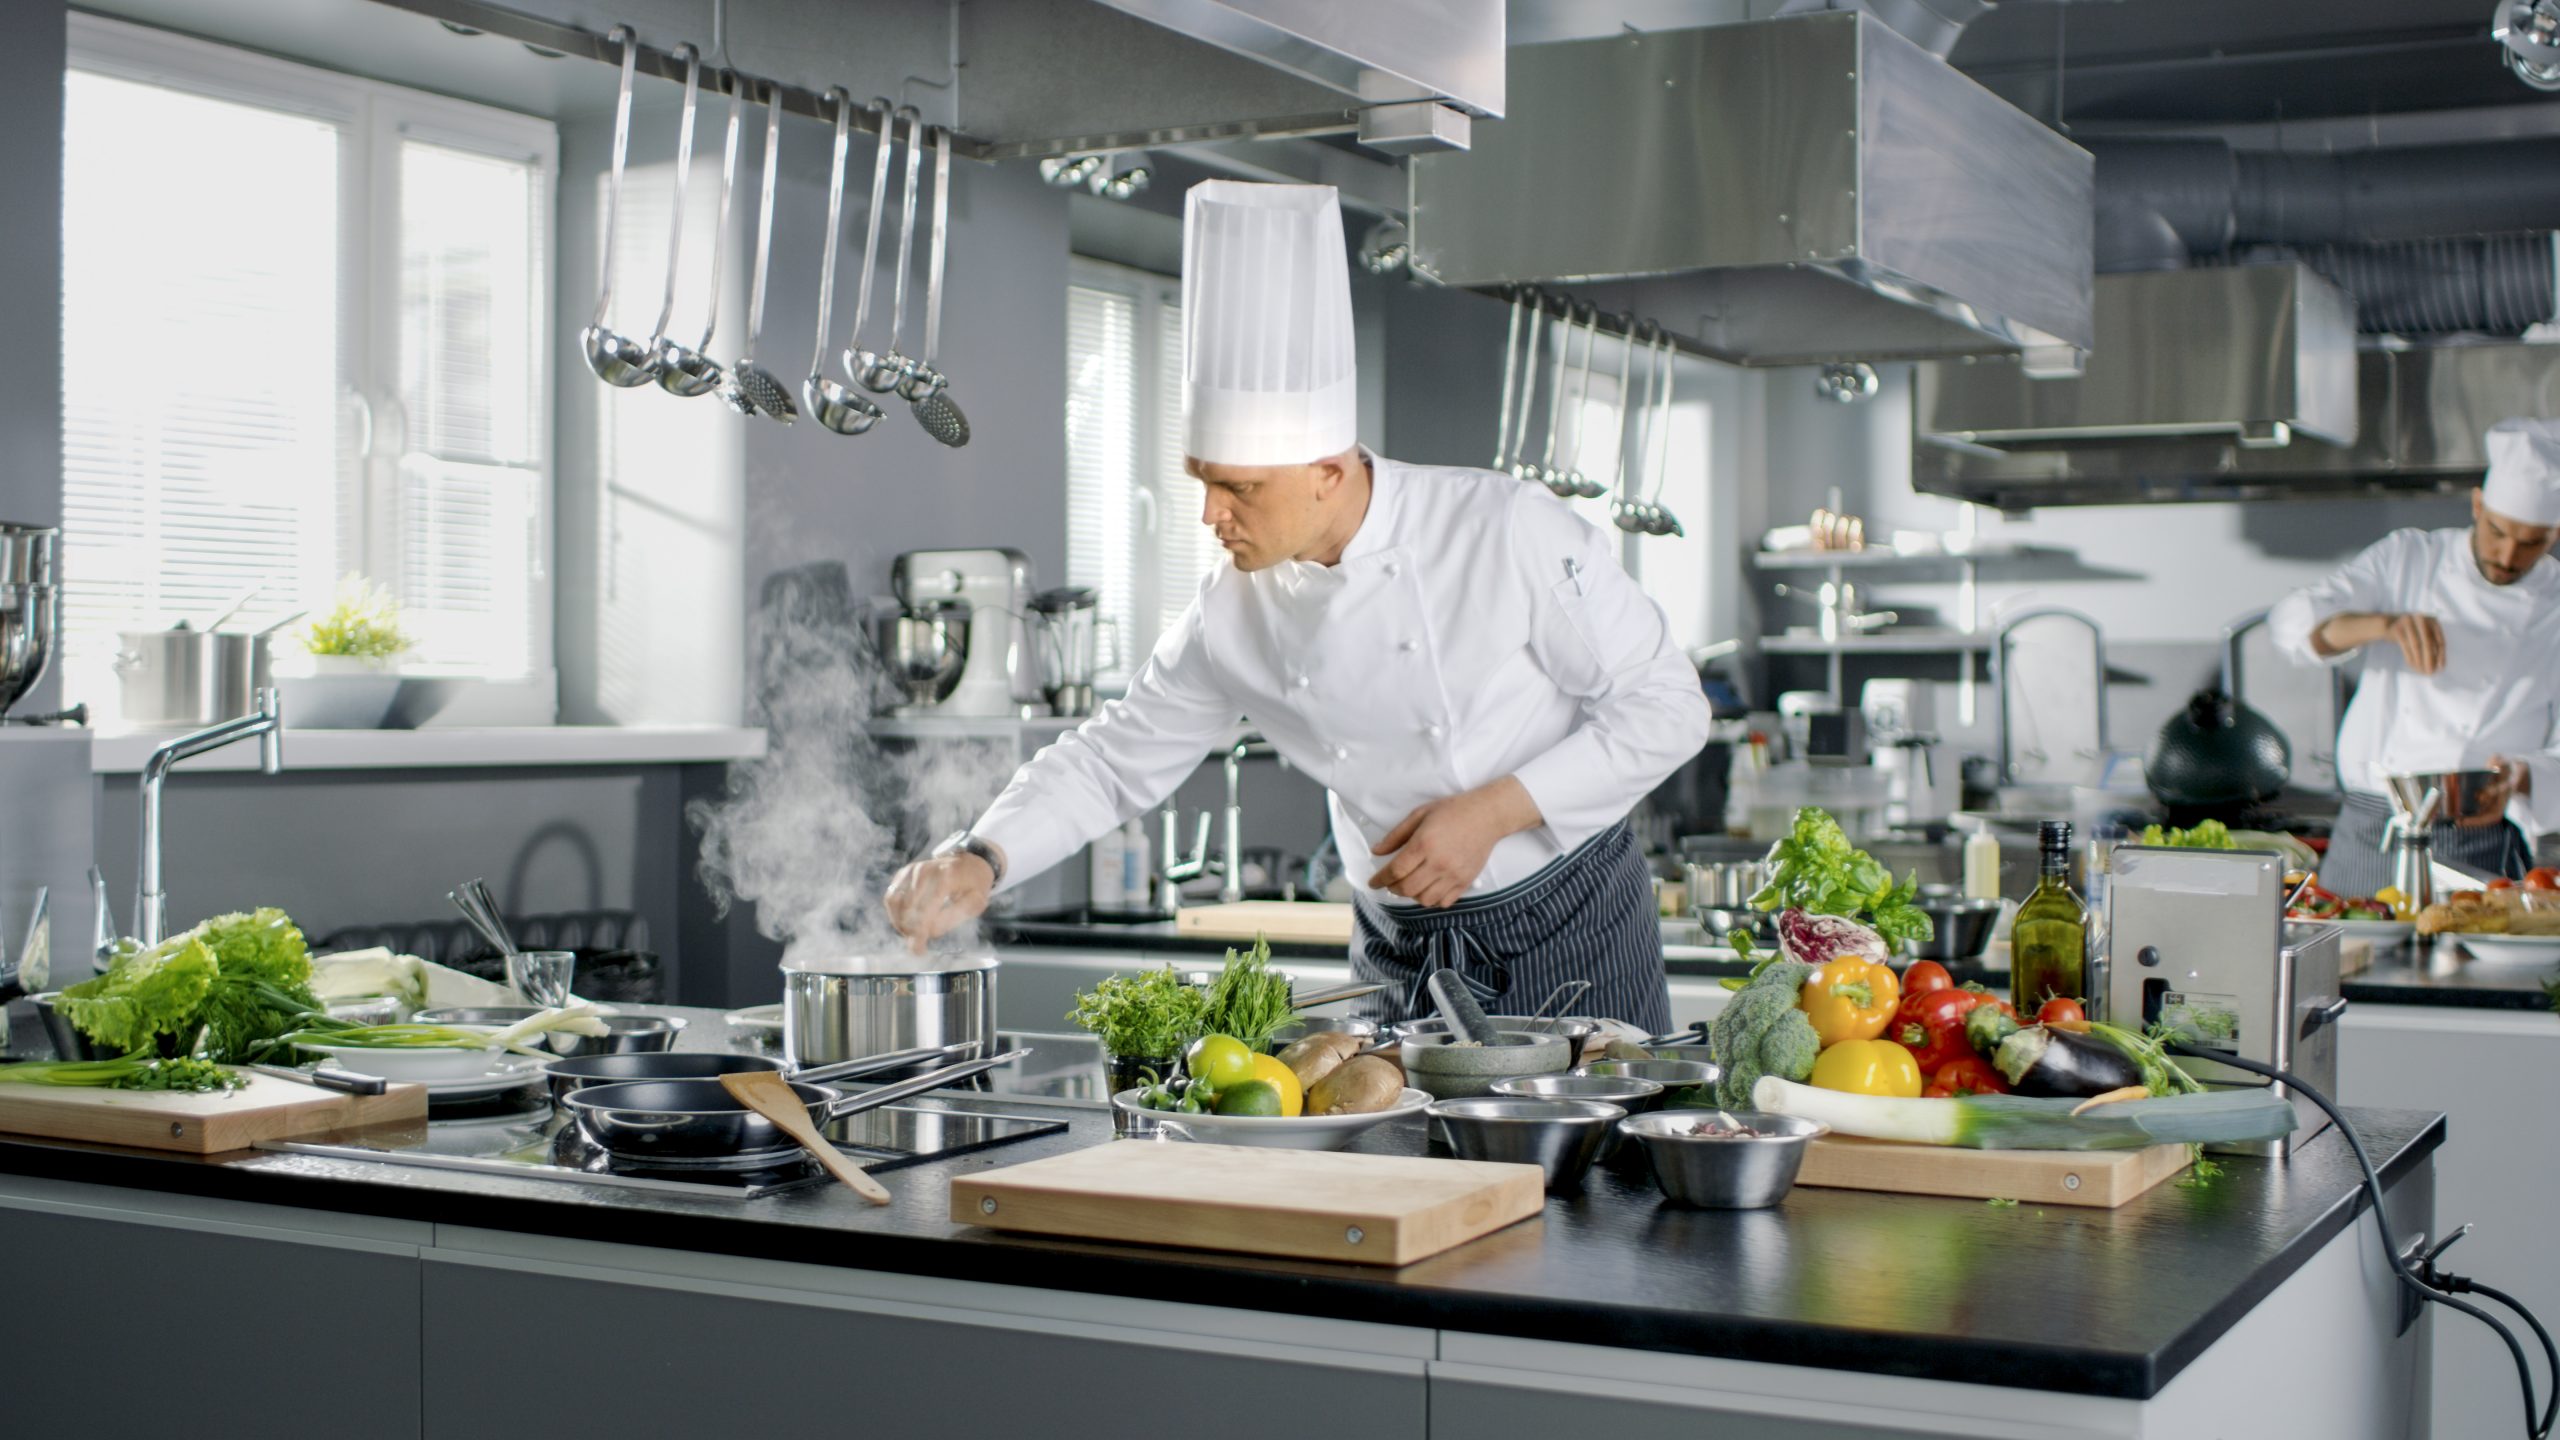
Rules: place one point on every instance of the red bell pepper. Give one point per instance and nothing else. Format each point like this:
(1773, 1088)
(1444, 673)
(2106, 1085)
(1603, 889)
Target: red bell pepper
(1970, 1075)
(1931, 1026)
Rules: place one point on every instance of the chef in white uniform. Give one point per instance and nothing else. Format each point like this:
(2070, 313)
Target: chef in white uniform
(2460, 633)
(1461, 661)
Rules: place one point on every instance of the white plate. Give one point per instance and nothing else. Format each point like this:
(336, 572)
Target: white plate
(757, 1017)
(2520, 945)
(1272, 1132)
(428, 1062)
(507, 1074)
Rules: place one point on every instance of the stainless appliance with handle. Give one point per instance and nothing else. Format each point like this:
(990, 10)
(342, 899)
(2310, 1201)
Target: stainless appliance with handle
(838, 1008)
(997, 675)
(2198, 941)
(30, 608)
(1066, 627)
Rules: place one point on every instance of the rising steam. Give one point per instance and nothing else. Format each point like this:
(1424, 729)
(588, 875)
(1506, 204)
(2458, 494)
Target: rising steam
(811, 833)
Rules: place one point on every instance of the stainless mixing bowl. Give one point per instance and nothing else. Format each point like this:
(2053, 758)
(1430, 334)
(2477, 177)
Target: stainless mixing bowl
(1734, 1173)
(1560, 1137)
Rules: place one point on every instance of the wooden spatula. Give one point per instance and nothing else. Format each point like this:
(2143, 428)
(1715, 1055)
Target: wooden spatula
(769, 1095)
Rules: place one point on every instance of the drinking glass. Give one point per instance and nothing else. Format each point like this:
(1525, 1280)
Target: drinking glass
(541, 976)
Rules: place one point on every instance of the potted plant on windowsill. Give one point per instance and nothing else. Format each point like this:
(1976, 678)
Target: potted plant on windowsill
(350, 671)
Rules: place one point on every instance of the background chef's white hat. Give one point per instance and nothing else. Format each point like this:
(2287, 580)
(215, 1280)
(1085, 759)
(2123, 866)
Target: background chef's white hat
(1268, 374)
(2523, 483)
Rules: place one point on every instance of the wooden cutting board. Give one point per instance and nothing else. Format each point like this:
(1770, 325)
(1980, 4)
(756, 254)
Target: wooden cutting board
(2101, 1178)
(1303, 1204)
(267, 1109)
(1316, 922)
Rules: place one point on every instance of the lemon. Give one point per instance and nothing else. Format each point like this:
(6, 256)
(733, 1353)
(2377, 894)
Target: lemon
(1269, 1070)
(1222, 1060)
(1253, 1097)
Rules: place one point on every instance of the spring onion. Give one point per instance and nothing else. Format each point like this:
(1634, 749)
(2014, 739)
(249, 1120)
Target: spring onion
(319, 1031)
(2014, 1122)
(124, 1072)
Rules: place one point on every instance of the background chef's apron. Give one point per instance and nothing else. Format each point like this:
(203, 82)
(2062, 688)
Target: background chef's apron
(1586, 916)
(2355, 864)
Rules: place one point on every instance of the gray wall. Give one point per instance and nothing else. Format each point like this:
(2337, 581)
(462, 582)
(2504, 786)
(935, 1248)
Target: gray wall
(31, 256)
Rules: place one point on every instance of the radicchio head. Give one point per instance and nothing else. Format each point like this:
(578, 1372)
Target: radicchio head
(1820, 939)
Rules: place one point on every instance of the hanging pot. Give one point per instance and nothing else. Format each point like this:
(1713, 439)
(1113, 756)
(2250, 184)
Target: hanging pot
(2217, 754)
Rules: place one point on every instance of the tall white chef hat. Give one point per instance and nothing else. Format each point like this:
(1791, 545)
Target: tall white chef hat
(1268, 373)
(2523, 483)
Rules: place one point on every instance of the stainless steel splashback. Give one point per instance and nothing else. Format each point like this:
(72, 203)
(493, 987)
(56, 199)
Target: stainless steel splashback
(2262, 354)
(2421, 413)
(1784, 192)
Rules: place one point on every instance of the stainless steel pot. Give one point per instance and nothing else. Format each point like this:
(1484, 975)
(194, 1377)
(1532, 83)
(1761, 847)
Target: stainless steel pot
(186, 676)
(699, 1122)
(849, 1007)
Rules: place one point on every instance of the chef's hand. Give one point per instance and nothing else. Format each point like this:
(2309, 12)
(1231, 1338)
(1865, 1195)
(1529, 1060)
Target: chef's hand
(2421, 641)
(2488, 804)
(1440, 849)
(936, 896)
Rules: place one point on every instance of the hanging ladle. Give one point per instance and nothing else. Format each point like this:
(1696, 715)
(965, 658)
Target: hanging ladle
(1657, 519)
(684, 370)
(858, 362)
(1585, 487)
(926, 388)
(750, 388)
(616, 358)
(1563, 483)
(832, 403)
(884, 371)
(1521, 464)
(1510, 382)
(1623, 509)
(675, 216)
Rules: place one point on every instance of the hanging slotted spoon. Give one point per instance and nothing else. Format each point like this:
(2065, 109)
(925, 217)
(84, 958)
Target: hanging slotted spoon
(750, 388)
(684, 370)
(883, 373)
(859, 362)
(675, 216)
(832, 403)
(926, 388)
(616, 358)
(1510, 382)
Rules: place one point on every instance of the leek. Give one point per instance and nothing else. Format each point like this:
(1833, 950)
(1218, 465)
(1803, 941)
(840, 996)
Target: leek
(2015, 1122)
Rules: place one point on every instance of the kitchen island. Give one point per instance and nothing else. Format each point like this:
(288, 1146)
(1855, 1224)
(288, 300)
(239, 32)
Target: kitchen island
(289, 1292)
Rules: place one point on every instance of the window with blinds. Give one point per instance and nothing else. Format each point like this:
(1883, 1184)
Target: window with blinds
(360, 275)
(1133, 517)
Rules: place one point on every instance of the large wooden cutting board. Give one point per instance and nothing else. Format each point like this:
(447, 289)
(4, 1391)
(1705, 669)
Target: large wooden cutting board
(2101, 1178)
(267, 1109)
(1315, 922)
(1304, 1204)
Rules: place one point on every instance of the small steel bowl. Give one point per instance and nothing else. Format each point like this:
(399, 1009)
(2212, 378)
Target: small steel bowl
(1365, 1031)
(68, 1042)
(1627, 1093)
(1680, 1079)
(1959, 929)
(623, 1035)
(499, 1015)
(1702, 1054)
(1560, 1137)
(1736, 1173)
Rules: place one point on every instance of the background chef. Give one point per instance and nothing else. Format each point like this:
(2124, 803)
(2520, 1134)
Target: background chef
(1461, 660)
(2460, 630)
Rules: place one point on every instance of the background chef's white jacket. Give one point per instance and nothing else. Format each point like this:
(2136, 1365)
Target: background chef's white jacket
(2499, 690)
(1475, 628)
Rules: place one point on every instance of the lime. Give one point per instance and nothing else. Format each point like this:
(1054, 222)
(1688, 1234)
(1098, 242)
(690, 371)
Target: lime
(1253, 1097)
(1222, 1060)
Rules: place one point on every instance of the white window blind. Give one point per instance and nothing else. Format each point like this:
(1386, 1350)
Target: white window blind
(1133, 516)
(361, 274)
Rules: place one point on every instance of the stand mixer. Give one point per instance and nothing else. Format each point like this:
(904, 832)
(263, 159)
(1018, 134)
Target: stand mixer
(958, 646)
(30, 609)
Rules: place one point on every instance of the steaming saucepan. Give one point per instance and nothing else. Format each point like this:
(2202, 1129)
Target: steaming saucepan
(845, 1007)
(698, 1122)
(568, 1077)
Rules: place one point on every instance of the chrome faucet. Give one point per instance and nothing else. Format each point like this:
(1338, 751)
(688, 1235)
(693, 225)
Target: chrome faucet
(151, 900)
(1229, 866)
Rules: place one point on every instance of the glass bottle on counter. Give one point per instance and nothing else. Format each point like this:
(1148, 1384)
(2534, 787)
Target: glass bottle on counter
(2049, 943)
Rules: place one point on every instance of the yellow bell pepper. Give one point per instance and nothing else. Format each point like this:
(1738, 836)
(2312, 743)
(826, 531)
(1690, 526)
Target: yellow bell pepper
(1868, 1067)
(1850, 999)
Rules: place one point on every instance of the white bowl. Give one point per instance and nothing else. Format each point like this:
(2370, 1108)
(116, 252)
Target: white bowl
(349, 701)
(1273, 1132)
(425, 1062)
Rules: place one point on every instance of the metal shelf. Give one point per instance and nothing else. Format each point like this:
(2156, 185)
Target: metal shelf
(1918, 642)
(1883, 559)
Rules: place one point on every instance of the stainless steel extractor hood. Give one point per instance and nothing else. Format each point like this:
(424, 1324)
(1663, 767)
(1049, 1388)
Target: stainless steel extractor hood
(2262, 354)
(1783, 192)
(2421, 414)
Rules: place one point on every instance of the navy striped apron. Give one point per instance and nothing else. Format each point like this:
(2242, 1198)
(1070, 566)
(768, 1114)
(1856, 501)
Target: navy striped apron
(2355, 864)
(1589, 916)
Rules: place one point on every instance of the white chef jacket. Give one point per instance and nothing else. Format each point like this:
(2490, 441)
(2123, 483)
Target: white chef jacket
(1474, 628)
(2499, 690)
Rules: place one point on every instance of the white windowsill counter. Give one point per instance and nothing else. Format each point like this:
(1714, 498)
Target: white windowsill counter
(122, 752)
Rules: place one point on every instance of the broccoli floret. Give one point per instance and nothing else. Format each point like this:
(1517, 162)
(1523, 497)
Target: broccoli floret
(1760, 1031)
(1785, 1049)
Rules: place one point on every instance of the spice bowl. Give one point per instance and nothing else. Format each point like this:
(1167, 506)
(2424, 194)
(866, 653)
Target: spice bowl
(1560, 1137)
(1729, 1172)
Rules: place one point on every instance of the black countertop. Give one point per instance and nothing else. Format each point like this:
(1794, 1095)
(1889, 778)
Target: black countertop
(2090, 1301)
(1079, 930)
(2444, 974)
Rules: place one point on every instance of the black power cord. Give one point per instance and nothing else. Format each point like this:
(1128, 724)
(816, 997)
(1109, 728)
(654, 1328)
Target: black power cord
(2422, 1277)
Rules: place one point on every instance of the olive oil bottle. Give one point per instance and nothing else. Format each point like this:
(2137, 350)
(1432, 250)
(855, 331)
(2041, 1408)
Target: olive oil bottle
(2049, 944)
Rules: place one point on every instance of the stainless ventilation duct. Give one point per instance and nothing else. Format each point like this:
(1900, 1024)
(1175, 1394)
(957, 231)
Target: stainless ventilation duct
(1784, 192)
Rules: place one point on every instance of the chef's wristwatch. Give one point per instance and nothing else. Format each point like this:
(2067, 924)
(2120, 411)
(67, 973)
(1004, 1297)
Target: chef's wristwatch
(963, 842)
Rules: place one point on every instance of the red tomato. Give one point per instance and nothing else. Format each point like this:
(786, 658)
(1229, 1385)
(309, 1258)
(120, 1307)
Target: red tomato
(2060, 1008)
(2502, 883)
(1927, 975)
(2540, 878)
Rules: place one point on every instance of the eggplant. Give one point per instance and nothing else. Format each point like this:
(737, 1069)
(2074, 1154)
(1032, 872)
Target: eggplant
(2047, 1062)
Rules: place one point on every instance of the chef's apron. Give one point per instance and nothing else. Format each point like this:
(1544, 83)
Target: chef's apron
(2355, 864)
(1589, 915)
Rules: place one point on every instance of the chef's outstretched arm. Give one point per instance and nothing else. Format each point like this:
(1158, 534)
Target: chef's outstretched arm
(2323, 623)
(1126, 759)
(1602, 640)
